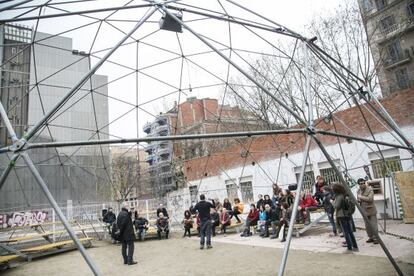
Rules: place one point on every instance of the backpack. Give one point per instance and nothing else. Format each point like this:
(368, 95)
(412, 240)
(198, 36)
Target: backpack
(349, 206)
(116, 232)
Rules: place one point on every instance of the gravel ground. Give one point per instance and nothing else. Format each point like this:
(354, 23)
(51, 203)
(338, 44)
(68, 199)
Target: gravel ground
(178, 256)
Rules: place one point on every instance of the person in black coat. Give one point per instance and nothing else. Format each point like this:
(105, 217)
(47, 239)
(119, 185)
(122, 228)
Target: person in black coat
(124, 223)
(260, 201)
(141, 225)
(215, 221)
(203, 207)
(327, 205)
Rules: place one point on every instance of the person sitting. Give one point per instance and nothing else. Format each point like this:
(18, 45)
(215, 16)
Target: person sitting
(217, 205)
(319, 184)
(272, 219)
(237, 209)
(284, 221)
(141, 226)
(261, 223)
(188, 223)
(109, 218)
(162, 210)
(227, 206)
(251, 219)
(307, 205)
(162, 225)
(268, 201)
(225, 220)
(215, 220)
(286, 197)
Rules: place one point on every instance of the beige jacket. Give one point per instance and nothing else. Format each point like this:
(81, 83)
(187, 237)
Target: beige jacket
(366, 199)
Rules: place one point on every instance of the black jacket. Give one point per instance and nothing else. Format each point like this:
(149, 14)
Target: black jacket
(109, 218)
(203, 208)
(272, 215)
(227, 205)
(124, 223)
(140, 222)
(327, 205)
(259, 203)
(215, 218)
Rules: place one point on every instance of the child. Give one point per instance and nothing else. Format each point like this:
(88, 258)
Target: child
(188, 223)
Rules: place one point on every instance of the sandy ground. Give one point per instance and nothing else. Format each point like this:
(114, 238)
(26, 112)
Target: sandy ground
(178, 256)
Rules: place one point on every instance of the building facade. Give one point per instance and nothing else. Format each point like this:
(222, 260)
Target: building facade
(35, 76)
(194, 116)
(390, 30)
(225, 174)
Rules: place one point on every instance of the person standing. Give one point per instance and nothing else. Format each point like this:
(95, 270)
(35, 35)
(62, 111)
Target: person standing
(203, 208)
(365, 196)
(329, 209)
(127, 236)
(259, 201)
(344, 217)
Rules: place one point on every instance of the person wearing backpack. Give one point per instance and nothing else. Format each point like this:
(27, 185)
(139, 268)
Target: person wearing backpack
(126, 233)
(343, 214)
(365, 196)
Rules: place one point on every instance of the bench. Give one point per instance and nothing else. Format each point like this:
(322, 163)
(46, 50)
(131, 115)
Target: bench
(8, 258)
(46, 247)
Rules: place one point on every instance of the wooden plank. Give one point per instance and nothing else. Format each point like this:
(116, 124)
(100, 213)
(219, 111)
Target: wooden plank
(30, 237)
(7, 258)
(404, 181)
(52, 245)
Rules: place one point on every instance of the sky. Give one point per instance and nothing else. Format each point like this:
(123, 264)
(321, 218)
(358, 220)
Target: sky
(164, 77)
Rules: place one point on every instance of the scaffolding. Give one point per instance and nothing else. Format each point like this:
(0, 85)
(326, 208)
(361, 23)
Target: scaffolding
(229, 55)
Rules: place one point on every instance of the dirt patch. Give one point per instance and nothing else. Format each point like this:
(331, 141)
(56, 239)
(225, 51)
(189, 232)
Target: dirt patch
(178, 256)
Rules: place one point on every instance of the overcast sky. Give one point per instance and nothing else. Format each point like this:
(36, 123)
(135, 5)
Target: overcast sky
(158, 86)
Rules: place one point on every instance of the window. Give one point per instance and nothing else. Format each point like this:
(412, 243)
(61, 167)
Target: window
(367, 5)
(376, 186)
(410, 10)
(381, 4)
(394, 51)
(379, 169)
(402, 78)
(308, 180)
(330, 175)
(231, 188)
(246, 191)
(387, 24)
(193, 193)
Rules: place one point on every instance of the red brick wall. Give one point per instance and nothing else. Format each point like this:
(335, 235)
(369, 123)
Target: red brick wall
(400, 106)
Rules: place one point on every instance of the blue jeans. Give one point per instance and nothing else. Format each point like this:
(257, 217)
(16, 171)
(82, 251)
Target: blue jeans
(205, 231)
(332, 221)
(348, 234)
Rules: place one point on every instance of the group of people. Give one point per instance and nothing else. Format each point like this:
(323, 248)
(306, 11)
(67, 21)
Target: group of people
(267, 213)
(275, 213)
(122, 227)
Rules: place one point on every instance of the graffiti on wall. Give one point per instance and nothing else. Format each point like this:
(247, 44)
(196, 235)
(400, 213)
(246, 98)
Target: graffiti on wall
(17, 219)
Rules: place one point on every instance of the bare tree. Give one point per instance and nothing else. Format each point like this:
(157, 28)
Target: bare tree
(125, 176)
(342, 36)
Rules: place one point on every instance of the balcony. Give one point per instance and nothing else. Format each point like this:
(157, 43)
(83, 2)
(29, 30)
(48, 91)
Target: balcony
(164, 151)
(149, 148)
(147, 128)
(161, 120)
(163, 163)
(162, 130)
(385, 34)
(150, 159)
(400, 59)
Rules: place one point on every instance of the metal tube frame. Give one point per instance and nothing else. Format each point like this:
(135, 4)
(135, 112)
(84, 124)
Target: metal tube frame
(20, 146)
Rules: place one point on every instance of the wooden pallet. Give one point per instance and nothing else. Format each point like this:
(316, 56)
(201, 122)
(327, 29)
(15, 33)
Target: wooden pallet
(8, 258)
(49, 246)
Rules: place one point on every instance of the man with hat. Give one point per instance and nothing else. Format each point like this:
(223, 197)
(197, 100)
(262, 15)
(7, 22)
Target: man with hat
(365, 196)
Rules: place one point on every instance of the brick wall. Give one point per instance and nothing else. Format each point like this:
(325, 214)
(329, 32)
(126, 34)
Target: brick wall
(400, 106)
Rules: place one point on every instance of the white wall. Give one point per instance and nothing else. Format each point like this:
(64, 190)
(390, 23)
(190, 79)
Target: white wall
(264, 173)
